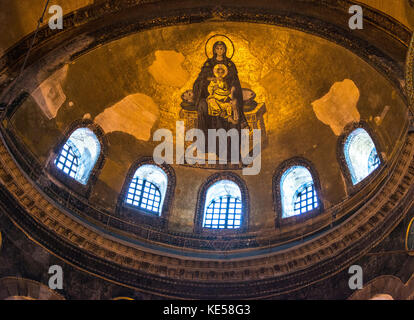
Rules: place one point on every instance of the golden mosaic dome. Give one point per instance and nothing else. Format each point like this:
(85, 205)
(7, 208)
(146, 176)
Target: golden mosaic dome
(80, 121)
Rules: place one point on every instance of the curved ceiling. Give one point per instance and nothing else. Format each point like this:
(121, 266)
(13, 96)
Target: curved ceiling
(131, 90)
(140, 57)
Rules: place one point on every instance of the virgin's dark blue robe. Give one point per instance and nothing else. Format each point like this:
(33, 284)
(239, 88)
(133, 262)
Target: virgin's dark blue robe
(205, 121)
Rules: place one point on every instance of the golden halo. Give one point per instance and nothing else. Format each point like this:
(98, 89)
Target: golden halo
(220, 66)
(216, 38)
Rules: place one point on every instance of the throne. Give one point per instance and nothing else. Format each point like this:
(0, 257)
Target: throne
(253, 111)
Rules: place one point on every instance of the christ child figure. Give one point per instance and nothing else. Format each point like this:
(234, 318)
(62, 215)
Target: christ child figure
(219, 101)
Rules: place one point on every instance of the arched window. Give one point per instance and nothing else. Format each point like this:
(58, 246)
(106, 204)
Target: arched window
(147, 189)
(298, 192)
(361, 155)
(79, 155)
(409, 240)
(223, 207)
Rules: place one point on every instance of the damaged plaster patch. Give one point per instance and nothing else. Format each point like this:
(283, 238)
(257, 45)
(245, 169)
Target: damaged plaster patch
(44, 67)
(339, 106)
(49, 94)
(135, 115)
(167, 68)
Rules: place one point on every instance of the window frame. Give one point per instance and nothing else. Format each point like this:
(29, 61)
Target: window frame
(281, 221)
(145, 184)
(201, 201)
(226, 213)
(302, 189)
(141, 216)
(61, 178)
(74, 163)
(343, 164)
(407, 233)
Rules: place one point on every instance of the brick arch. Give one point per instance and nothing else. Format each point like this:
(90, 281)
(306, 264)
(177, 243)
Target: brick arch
(72, 184)
(386, 285)
(340, 154)
(276, 191)
(201, 199)
(137, 216)
(13, 288)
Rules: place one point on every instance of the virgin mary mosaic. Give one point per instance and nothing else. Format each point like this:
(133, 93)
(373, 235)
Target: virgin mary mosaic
(217, 100)
(217, 94)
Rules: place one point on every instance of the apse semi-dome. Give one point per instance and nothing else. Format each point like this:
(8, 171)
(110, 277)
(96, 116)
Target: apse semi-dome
(78, 143)
(307, 101)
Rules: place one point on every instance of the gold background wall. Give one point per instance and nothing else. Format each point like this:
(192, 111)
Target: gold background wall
(132, 87)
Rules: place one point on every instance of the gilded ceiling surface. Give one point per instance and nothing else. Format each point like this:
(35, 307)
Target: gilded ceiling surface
(311, 88)
(399, 10)
(126, 68)
(20, 18)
